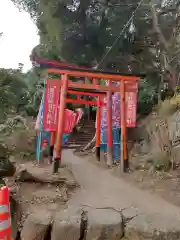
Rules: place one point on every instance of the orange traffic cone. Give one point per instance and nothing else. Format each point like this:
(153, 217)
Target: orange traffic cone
(5, 215)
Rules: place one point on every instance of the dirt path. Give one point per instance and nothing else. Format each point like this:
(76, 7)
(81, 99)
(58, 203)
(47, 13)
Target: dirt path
(99, 188)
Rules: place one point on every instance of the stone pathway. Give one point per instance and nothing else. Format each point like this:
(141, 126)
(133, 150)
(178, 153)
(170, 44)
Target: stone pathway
(152, 217)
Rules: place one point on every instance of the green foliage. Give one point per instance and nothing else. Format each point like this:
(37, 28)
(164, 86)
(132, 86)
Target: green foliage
(147, 96)
(34, 92)
(78, 31)
(13, 93)
(81, 31)
(19, 93)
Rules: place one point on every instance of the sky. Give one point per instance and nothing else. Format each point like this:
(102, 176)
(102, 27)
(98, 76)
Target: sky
(19, 36)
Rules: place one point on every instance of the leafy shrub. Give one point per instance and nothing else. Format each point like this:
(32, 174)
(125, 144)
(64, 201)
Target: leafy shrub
(12, 124)
(147, 97)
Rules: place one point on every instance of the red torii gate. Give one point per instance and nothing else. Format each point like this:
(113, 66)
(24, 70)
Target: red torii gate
(67, 85)
(56, 83)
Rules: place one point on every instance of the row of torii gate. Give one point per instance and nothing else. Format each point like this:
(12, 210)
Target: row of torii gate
(93, 88)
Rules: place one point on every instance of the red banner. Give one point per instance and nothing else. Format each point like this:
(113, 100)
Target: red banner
(131, 104)
(51, 102)
(70, 117)
(51, 109)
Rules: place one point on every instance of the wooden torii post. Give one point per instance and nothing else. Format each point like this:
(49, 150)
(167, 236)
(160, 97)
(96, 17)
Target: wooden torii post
(96, 86)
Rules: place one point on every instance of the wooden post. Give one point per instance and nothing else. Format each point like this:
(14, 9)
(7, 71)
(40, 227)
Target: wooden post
(89, 111)
(123, 128)
(98, 129)
(51, 149)
(63, 94)
(126, 159)
(109, 127)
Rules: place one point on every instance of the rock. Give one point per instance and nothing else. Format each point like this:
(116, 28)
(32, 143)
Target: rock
(104, 224)
(96, 224)
(23, 175)
(29, 173)
(66, 225)
(36, 226)
(34, 174)
(151, 227)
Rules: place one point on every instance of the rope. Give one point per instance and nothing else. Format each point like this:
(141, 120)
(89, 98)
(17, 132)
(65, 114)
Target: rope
(119, 36)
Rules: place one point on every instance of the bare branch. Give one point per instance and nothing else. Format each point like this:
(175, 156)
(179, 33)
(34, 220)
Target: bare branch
(157, 29)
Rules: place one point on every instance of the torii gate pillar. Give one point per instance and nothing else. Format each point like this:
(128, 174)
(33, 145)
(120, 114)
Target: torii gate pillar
(62, 106)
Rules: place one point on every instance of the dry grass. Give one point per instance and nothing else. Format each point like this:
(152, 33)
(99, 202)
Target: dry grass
(161, 161)
(169, 106)
(160, 138)
(21, 141)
